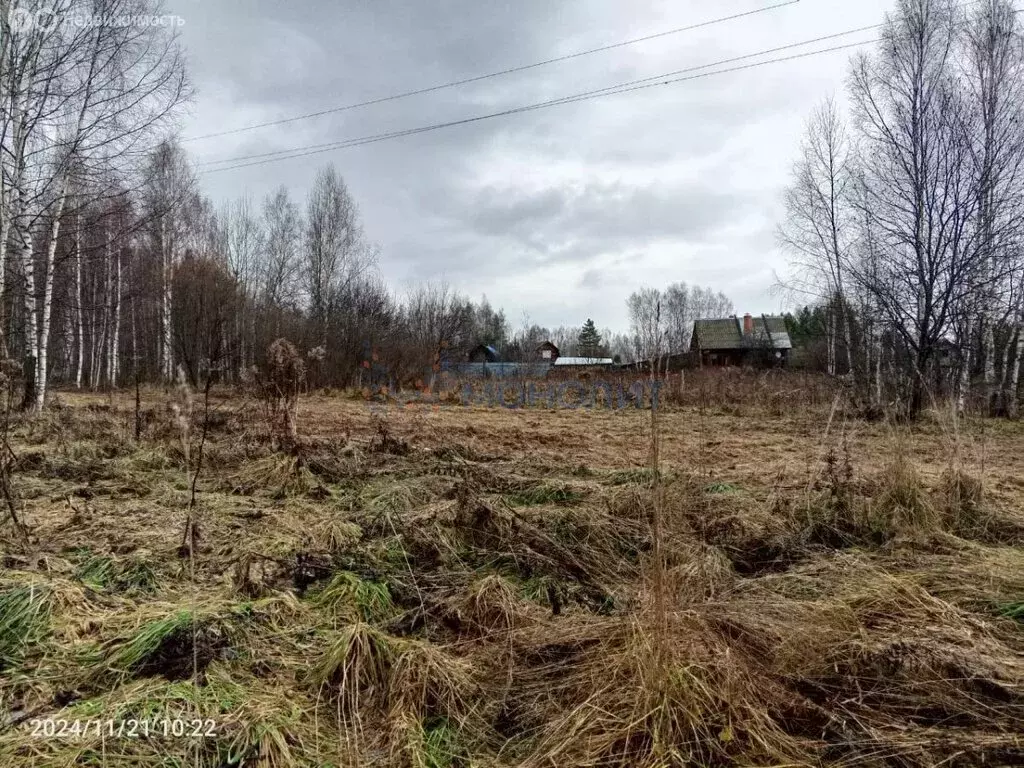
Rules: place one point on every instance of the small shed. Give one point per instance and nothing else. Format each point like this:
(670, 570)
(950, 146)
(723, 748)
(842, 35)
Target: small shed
(484, 353)
(755, 341)
(547, 352)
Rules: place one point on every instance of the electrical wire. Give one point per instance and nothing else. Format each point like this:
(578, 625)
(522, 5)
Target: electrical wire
(499, 73)
(635, 85)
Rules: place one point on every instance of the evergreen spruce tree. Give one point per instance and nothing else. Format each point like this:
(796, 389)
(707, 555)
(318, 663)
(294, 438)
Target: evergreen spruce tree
(589, 340)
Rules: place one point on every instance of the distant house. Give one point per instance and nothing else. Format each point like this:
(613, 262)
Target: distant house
(484, 353)
(755, 341)
(548, 352)
(485, 361)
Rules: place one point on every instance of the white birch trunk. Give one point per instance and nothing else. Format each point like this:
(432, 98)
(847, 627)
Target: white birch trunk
(47, 309)
(830, 342)
(878, 368)
(964, 383)
(25, 257)
(113, 367)
(3, 258)
(166, 347)
(1011, 391)
(989, 352)
(94, 328)
(66, 363)
(79, 317)
(134, 341)
(105, 330)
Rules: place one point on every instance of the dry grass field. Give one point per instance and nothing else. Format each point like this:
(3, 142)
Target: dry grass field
(418, 585)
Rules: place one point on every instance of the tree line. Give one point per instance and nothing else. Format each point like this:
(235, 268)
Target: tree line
(904, 215)
(115, 268)
(903, 223)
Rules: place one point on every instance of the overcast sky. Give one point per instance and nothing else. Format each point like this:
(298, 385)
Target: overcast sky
(559, 213)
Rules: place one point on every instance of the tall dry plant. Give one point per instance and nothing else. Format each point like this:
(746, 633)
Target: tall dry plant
(7, 456)
(657, 522)
(181, 414)
(278, 387)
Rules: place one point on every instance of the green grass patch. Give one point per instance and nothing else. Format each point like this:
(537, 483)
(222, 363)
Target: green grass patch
(545, 493)
(1013, 611)
(24, 622)
(437, 745)
(639, 476)
(371, 599)
(105, 573)
(175, 646)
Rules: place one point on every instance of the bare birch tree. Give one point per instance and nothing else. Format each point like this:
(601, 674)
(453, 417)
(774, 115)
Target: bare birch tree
(818, 229)
(917, 180)
(994, 76)
(333, 246)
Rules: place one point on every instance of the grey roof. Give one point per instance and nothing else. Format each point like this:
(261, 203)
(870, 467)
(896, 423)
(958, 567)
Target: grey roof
(492, 355)
(584, 361)
(727, 333)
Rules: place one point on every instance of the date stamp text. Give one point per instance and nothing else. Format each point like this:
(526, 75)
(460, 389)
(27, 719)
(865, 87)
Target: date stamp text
(143, 728)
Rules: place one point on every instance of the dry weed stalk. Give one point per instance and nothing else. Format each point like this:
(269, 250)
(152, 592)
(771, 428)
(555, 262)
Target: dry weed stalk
(181, 413)
(278, 388)
(7, 456)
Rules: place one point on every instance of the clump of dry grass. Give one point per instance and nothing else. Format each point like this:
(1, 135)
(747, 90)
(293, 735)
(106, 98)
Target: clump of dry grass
(428, 681)
(402, 685)
(335, 535)
(282, 475)
(919, 660)
(705, 703)
(356, 666)
(492, 606)
(699, 572)
(901, 502)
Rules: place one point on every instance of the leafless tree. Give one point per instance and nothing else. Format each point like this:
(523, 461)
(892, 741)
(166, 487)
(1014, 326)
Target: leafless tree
(169, 189)
(283, 227)
(919, 190)
(994, 76)
(244, 246)
(335, 252)
(77, 100)
(818, 229)
(646, 323)
(679, 318)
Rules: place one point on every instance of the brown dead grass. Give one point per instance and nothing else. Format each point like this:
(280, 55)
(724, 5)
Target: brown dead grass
(470, 586)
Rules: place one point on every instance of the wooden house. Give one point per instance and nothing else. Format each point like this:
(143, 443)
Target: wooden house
(761, 342)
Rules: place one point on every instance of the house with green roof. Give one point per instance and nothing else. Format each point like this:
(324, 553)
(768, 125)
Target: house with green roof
(761, 342)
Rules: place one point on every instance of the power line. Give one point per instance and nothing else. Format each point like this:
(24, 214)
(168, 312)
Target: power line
(499, 73)
(667, 78)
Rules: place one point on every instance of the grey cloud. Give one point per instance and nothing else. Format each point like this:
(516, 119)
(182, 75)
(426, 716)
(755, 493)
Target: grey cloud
(673, 182)
(565, 222)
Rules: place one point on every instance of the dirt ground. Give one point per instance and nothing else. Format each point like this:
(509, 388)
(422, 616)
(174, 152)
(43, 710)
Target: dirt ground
(440, 585)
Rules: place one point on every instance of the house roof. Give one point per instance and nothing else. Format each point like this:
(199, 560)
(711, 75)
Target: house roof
(727, 333)
(488, 351)
(546, 345)
(584, 361)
